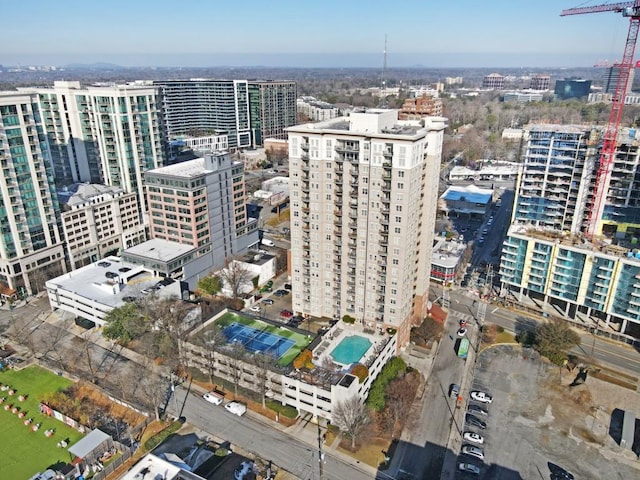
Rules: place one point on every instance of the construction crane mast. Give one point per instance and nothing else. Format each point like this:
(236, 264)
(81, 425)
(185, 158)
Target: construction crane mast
(607, 155)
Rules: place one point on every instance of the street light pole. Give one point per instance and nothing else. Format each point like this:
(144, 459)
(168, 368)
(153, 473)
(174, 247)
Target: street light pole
(320, 454)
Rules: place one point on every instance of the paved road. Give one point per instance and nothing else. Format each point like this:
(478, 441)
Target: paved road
(604, 351)
(261, 439)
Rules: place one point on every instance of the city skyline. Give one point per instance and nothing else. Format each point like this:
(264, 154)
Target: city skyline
(328, 34)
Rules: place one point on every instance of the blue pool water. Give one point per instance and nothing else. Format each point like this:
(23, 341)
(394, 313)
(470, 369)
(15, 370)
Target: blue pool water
(351, 349)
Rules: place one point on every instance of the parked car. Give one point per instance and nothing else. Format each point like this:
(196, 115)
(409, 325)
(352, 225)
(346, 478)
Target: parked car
(559, 473)
(477, 410)
(454, 390)
(473, 451)
(462, 332)
(474, 421)
(266, 289)
(268, 242)
(473, 437)
(480, 396)
(214, 397)
(255, 308)
(286, 313)
(281, 293)
(269, 283)
(287, 286)
(268, 301)
(462, 322)
(469, 468)
(236, 408)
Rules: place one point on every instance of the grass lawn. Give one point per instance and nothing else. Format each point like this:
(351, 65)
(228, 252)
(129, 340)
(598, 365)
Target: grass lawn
(24, 452)
(301, 341)
(505, 337)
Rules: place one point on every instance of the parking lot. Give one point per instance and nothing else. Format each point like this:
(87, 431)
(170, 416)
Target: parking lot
(536, 420)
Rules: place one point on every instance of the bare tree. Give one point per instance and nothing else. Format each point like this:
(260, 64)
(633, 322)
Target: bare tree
(154, 389)
(210, 342)
(170, 329)
(235, 356)
(399, 396)
(262, 362)
(351, 417)
(236, 275)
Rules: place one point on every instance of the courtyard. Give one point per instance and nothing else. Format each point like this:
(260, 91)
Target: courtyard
(25, 449)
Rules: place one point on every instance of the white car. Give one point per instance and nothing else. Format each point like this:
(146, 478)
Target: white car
(236, 408)
(255, 308)
(469, 468)
(473, 437)
(214, 397)
(473, 451)
(462, 332)
(483, 397)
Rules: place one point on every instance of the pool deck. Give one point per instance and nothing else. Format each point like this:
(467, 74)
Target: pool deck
(339, 332)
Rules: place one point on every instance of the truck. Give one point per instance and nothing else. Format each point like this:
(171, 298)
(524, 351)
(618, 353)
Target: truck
(463, 348)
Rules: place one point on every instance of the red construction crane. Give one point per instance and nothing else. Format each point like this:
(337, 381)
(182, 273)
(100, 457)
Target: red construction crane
(607, 156)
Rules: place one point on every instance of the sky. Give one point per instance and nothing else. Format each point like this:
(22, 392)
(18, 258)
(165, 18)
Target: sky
(309, 33)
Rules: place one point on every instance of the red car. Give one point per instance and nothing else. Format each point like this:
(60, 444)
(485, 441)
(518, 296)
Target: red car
(462, 322)
(286, 314)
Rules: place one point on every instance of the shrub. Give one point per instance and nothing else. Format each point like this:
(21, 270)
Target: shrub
(161, 436)
(348, 319)
(360, 371)
(284, 410)
(221, 452)
(391, 331)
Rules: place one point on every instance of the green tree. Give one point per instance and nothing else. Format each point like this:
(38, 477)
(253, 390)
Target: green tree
(124, 324)
(210, 284)
(554, 338)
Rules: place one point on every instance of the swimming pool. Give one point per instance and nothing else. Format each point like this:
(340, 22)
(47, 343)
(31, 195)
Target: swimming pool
(351, 349)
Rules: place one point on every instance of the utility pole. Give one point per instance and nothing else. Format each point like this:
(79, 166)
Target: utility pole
(320, 454)
(445, 296)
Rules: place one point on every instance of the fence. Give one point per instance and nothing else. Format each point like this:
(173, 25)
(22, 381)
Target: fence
(127, 453)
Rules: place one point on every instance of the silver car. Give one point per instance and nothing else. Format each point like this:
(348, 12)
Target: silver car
(473, 451)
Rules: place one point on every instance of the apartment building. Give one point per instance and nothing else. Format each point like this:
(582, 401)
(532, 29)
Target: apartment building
(201, 203)
(98, 221)
(31, 245)
(610, 79)
(540, 81)
(493, 81)
(553, 185)
(363, 204)
(273, 109)
(202, 106)
(104, 134)
(247, 111)
(422, 106)
(315, 109)
(546, 256)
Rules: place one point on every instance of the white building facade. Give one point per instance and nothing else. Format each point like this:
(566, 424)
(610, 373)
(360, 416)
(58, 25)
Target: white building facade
(363, 205)
(99, 220)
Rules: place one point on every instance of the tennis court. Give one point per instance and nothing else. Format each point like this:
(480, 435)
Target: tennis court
(256, 340)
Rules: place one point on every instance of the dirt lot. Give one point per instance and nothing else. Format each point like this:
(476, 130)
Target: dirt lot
(536, 417)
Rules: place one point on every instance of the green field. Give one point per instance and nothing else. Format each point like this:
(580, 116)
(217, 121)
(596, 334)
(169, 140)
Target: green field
(301, 340)
(24, 452)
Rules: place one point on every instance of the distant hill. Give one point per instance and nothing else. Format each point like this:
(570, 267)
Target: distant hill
(93, 66)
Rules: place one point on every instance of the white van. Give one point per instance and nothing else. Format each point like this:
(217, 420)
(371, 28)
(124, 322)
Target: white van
(236, 408)
(268, 242)
(214, 397)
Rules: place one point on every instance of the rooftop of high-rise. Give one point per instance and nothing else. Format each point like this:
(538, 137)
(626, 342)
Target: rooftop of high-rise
(374, 121)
